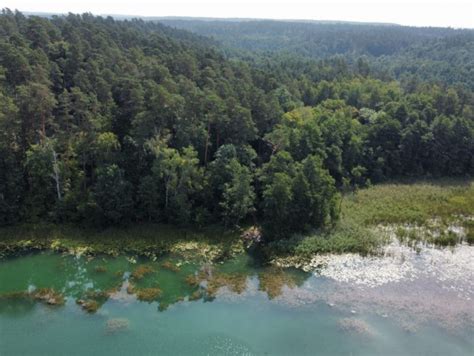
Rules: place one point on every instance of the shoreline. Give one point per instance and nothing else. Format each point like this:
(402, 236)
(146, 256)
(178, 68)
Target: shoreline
(437, 212)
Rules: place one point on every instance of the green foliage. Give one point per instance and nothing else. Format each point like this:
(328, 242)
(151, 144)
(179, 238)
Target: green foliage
(108, 122)
(415, 203)
(41, 167)
(112, 195)
(408, 53)
(238, 194)
(297, 195)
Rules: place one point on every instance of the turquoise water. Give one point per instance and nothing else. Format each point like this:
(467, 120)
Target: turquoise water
(235, 308)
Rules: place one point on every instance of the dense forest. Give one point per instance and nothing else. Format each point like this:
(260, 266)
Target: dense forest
(443, 55)
(110, 122)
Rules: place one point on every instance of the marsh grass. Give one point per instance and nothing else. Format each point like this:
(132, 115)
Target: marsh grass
(412, 203)
(420, 211)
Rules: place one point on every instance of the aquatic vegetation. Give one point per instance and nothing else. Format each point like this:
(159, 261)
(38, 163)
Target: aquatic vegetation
(163, 306)
(130, 288)
(170, 266)
(192, 280)
(141, 271)
(190, 250)
(92, 300)
(97, 294)
(273, 280)
(469, 227)
(100, 269)
(147, 294)
(196, 295)
(48, 296)
(212, 280)
(116, 324)
(89, 305)
(236, 282)
(356, 326)
(14, 295)
(446, 239)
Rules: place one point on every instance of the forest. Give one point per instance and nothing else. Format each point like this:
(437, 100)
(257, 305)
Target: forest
(109, 122)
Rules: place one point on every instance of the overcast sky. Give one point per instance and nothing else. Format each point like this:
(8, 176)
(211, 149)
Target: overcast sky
(454, 13)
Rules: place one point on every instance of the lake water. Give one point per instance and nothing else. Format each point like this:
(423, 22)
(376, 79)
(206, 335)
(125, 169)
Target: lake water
(234, 308)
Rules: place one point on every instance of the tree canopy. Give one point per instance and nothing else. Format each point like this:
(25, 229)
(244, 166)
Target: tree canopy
(110, 122)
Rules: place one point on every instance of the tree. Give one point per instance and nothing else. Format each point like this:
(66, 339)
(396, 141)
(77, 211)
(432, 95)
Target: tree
(44, 179)
(11, 177)
(35, 103)
(277, 200)
(181, 177)
(238, 195)
(112, 196)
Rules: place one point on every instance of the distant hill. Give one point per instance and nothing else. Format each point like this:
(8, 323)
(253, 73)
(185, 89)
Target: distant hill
(430, 53)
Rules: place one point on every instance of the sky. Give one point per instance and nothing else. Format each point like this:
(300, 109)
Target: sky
(445, 13)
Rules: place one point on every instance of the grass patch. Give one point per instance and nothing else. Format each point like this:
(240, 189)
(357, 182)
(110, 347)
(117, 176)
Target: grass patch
(446, 239)
(412, 203)
(419, 210)
(346, 237)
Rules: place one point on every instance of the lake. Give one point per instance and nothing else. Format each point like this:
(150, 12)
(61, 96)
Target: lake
(418, 304)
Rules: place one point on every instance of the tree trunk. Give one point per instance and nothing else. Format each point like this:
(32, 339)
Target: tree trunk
(207, 140)
(56, 175)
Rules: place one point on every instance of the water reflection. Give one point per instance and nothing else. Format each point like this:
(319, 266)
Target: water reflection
(52, 279)
(113, 304)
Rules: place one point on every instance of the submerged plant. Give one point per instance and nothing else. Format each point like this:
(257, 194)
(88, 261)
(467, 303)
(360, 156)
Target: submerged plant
(115, 325)
(196, 295)
(147, 294)
(355, 326)
(170, 266)
(141, 271)
(100, 269)
(214, 280)
(235, 282)
(48, 296)
(14, 295)
(89, 305)
(193, 280)
(273, 280)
